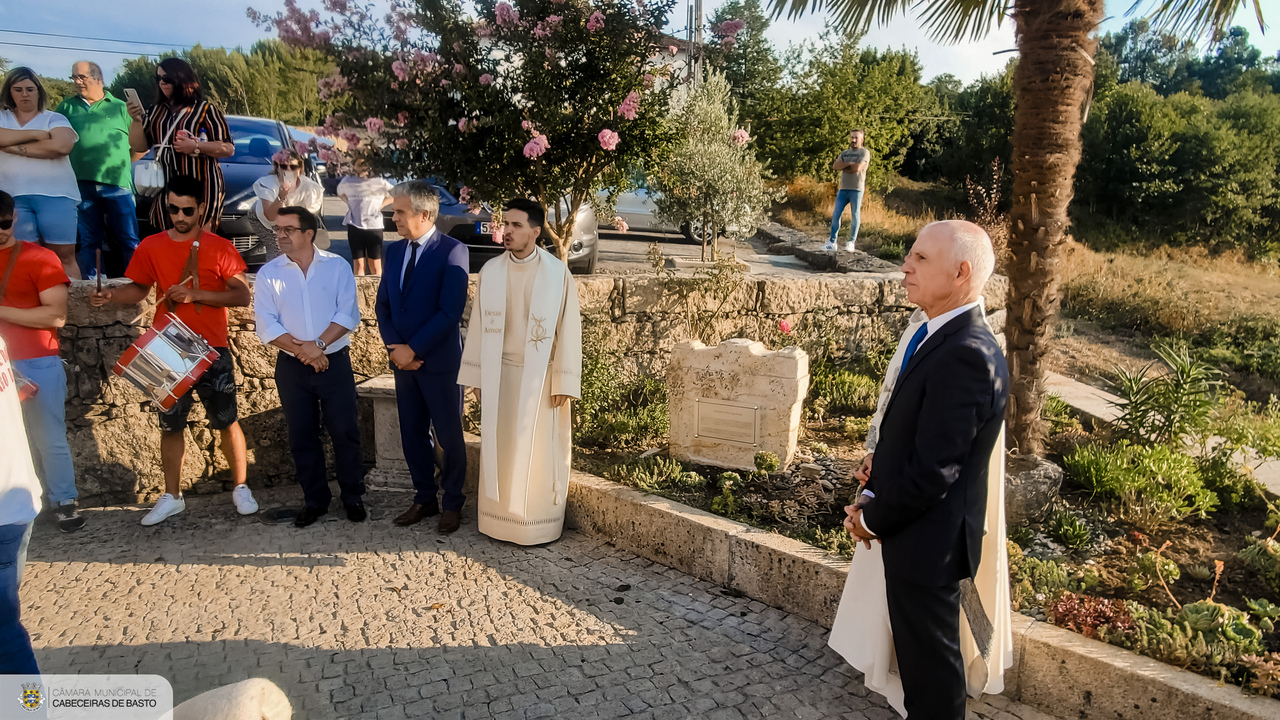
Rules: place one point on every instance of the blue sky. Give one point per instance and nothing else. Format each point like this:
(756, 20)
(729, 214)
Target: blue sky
(223, 23)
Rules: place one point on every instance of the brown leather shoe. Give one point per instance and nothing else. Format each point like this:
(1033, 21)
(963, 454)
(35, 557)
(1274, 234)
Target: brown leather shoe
(449, 521)
(416, 513)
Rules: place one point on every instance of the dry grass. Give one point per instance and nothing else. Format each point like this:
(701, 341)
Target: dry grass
(1178, 290)
(889, 222)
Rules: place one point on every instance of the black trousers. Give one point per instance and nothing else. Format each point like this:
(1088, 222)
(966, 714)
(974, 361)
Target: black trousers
(926, 638)
(425, 401)
(310, 398)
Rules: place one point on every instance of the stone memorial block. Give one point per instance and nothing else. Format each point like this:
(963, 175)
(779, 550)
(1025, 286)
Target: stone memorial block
(733, 400)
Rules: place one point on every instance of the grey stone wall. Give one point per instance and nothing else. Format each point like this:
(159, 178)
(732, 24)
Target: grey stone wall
(635, 319)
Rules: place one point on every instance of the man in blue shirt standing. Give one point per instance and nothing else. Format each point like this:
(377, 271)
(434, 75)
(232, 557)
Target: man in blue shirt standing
(103, 165)
(305, 304)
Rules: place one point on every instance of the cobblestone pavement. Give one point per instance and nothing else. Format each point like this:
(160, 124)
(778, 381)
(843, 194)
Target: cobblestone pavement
(373, 621)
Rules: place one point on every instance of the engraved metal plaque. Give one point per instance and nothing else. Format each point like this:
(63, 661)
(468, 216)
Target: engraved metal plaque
(727, 421)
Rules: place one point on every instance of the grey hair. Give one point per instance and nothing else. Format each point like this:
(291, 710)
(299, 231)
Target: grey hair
(95, 70)
(422, 196)
(971, 244)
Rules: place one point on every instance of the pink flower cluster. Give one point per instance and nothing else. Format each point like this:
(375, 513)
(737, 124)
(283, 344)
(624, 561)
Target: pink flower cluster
(505, 15)
(331, 85)
(619, 224)
(728, 32)
(400, 69)
(374, 125)
(459, 69)
(536, 146)
(425, 60)
(465, 195)
(740, 137)
(465, 124)
(608, 139)
(526, 124)
(296, 27)
(630, 106)
(402, 119)
(281, 157)
(402, 143)
(350, 138)
(784, 327)
(595, 22)
(486, 79)
(302, 148)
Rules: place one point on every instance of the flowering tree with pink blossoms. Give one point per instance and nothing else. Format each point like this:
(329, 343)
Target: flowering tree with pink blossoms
(549, 99)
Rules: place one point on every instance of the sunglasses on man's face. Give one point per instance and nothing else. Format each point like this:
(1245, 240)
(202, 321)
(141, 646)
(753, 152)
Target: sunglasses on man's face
(6, 224)
(175, 210)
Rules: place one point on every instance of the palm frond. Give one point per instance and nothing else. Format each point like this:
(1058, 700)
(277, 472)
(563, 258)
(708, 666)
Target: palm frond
(1196, 18)
(944, 20)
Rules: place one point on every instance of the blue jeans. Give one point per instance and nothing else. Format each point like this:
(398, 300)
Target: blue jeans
(116, 203)
(46, 418)
(853, 200)
(16, 656)
(42, 217)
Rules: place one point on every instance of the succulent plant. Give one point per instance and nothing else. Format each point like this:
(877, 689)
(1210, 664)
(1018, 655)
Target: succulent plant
(1263, 608)
(767, 462)
(1204, 616)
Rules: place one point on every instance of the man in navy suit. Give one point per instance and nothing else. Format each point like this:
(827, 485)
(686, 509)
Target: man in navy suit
(927, 486)
(420, 303)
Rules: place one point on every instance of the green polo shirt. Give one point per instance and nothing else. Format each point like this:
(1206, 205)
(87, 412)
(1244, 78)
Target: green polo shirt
(101, 154)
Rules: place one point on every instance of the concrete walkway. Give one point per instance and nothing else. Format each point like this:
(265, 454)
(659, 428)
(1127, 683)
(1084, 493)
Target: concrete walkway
(373, 621)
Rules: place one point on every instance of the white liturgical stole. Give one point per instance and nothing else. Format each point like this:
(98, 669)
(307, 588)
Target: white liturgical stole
(544, 313)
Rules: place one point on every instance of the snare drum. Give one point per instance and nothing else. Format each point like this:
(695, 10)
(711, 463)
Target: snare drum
(164, 364)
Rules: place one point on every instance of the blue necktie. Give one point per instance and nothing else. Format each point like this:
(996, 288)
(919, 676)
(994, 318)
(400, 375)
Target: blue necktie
(913, 345)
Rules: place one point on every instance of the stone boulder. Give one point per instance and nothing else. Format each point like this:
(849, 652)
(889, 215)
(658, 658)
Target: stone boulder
(1031, 485)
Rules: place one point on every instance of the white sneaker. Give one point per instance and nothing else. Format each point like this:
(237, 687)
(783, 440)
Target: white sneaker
(830, 246)
(848, 247)
(242, 496)
(166, 507)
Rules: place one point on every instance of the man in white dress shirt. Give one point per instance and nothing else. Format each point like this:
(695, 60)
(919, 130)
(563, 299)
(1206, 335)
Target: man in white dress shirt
(305, 303)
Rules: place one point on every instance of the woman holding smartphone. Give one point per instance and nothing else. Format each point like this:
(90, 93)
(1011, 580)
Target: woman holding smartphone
(197, 135)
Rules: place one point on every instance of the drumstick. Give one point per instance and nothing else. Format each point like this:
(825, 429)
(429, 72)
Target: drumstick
(99, 252)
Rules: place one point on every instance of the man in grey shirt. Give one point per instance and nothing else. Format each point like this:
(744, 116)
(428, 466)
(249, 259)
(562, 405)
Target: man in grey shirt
(852, 165)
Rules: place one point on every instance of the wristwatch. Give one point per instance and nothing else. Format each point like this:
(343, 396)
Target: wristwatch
(321, 344)
(197, 152)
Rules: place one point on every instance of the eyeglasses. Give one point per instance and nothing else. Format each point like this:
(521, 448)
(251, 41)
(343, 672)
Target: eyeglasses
(164, 79)
(287, 231)
(175, 210)
(6, 224)
(81, 78)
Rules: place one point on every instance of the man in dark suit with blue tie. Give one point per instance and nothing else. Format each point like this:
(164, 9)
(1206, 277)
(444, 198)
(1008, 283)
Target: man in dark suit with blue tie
(926, 495)
(420, 303)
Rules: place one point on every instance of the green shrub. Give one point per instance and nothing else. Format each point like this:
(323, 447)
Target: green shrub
(1235, 488)
(855, 428)
(767, 462)
(842, 392)
(1148, 486)
(657, 474)
(1070, 530)
(1144, 572)
(1263, 557)
(1059, 415)
(1023, 535)
(1168, 407)
(617, 413)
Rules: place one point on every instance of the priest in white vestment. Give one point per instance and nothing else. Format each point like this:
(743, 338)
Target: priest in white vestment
(862, 633)
(523, 357)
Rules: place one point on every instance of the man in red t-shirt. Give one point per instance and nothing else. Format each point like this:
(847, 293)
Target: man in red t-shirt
(161, 261)
(33, 305)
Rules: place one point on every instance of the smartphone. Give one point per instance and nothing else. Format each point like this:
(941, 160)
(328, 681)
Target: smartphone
(132, 96)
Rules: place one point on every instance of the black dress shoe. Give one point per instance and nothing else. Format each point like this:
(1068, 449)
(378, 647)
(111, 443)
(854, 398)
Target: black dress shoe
(416, 513)
(449, 521)
(356, 512)
(308, 516)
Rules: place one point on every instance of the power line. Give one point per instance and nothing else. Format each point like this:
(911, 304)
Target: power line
(79, 49)
(97, 39)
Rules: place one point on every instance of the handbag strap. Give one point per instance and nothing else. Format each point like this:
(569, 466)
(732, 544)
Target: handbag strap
(173, 127)
(8, 268)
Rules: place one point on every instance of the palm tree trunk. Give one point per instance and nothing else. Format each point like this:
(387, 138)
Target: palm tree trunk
(1052, 83)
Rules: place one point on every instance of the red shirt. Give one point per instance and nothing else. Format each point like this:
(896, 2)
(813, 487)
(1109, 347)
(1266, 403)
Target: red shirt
(38, 269)
(160, 261)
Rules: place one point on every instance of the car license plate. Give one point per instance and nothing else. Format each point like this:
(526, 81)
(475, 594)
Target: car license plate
(484, 228)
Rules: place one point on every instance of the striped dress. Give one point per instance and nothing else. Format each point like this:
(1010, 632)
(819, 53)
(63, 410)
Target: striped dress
(203, 116)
